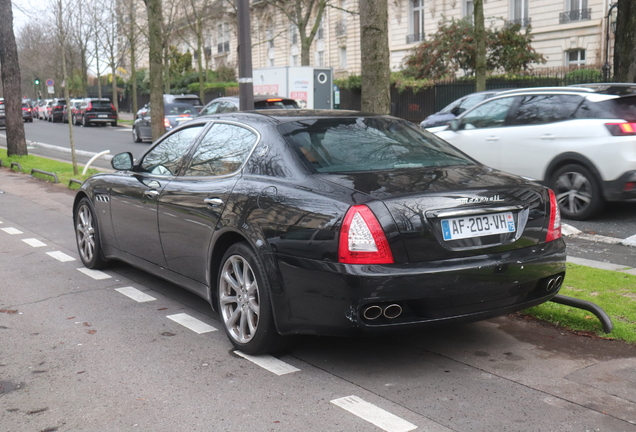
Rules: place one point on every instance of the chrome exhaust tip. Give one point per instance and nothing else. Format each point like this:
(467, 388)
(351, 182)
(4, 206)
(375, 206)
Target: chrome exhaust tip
(558, 281)
(372, 312)
(550, 286)
(393, 311)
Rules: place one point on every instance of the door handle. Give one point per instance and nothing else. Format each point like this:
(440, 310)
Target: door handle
(547, 137)
(213, 202)
(492, 138)
(150, 194)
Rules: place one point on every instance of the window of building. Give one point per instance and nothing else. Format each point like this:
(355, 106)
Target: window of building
(575, 57)
(416, 22)
(575, 10)
(321, 30)
(293, 42)
(293, 34)
(223, 38)
(519, 12)
(469, 9)
(320, 58)
(269, 34)
(342, 52)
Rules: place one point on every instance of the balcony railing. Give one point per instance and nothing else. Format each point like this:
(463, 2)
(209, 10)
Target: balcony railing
(525, 22)
(575, 15)
(341, 28)
(412, 38)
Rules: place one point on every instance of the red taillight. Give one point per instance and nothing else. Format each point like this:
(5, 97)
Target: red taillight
(621, 129)
(112, 107)
(274, 100)
(554, 227)
(362, 239)
(166, 122)
(89, 106)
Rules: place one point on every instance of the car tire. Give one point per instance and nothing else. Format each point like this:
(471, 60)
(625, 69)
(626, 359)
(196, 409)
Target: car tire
(114, 124)
(85, 123)
(135, 134)
(578, 192)
(244, 302)
(87, 235)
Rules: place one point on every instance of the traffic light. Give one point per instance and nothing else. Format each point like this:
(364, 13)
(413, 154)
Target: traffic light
(36, 81)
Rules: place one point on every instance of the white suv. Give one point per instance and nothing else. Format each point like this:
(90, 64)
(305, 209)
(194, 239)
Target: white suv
(581, 142)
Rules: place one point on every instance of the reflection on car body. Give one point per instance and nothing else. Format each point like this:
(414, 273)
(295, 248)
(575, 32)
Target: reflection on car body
(322, 222)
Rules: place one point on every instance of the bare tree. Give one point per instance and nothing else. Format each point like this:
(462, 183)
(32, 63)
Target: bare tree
(306, 16)
(374, 47)
(480, 40)
(10, 73)
(62, 30)
(108, 27)
(156, 78)
(625, 42)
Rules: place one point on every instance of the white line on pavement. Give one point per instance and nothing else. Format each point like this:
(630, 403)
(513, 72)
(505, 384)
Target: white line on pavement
(135, 294)
(95, 274)
(60, 256)
(270, 363)
(12, 231)
(373, 414)
(34, 242)
(192, 323)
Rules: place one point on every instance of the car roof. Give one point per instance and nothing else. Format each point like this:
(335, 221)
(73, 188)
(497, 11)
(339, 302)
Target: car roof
(278, 116)
(177, 105)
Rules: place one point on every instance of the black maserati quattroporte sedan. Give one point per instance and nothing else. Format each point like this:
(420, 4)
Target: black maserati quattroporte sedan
(324, 222)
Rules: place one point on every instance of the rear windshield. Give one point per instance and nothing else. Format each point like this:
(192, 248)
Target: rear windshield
(366, 144)
(279, 104)
(618, 108)
(179, 109)
(191, 101)
(100, 104)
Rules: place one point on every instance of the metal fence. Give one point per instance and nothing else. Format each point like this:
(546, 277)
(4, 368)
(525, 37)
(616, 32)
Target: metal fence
(417, 105)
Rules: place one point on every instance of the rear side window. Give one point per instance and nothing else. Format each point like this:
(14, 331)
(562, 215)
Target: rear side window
(617, 108)
(367, 144)
(100, 104)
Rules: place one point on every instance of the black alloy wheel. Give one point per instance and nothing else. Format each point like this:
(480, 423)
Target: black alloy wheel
(577, 192)
(244, 302)
(87, 235)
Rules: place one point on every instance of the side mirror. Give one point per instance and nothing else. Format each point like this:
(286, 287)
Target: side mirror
(453, 125)
(122, 161)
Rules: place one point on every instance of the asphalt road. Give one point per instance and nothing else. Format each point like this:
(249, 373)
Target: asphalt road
(85, 351)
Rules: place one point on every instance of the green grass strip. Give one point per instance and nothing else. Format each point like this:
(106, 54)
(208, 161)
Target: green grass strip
(63, 170)
(613, 291)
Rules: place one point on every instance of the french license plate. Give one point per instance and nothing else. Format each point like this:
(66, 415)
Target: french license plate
(182, 119)
(102, 115)
(478, 226)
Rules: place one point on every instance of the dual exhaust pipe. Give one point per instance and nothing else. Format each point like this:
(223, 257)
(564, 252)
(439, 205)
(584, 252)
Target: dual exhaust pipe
(373, 312)
(554, 283)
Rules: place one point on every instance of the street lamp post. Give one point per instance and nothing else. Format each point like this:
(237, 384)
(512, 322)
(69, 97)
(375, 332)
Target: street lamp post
(606, 67)
(246, 85)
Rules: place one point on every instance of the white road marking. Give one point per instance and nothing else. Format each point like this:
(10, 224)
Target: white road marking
(95, 274)
(135, 294)
(270, 363)
(34, 242)
(12, 231)
(192, 323)
(60, 256)
(371, 413)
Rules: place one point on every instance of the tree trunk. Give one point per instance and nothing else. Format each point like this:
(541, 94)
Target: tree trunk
(156, 65)
(625, 42)
(133, 48)
(374, 47)
(480, 40)
(200, 59)
(10, 73)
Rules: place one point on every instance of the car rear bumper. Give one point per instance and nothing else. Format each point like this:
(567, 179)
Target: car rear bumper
(318, 297)
(95, 118)
(621, 189)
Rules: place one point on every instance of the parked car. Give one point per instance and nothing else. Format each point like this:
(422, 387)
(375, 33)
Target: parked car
(3, 116)
(227, 104)
(95, 111)
(57, 110)
(75, 103)
(191, 99)
(578, 141)
(455, 108)
(413, 232)
(27, 112)
(44, 109)
(174, 115)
